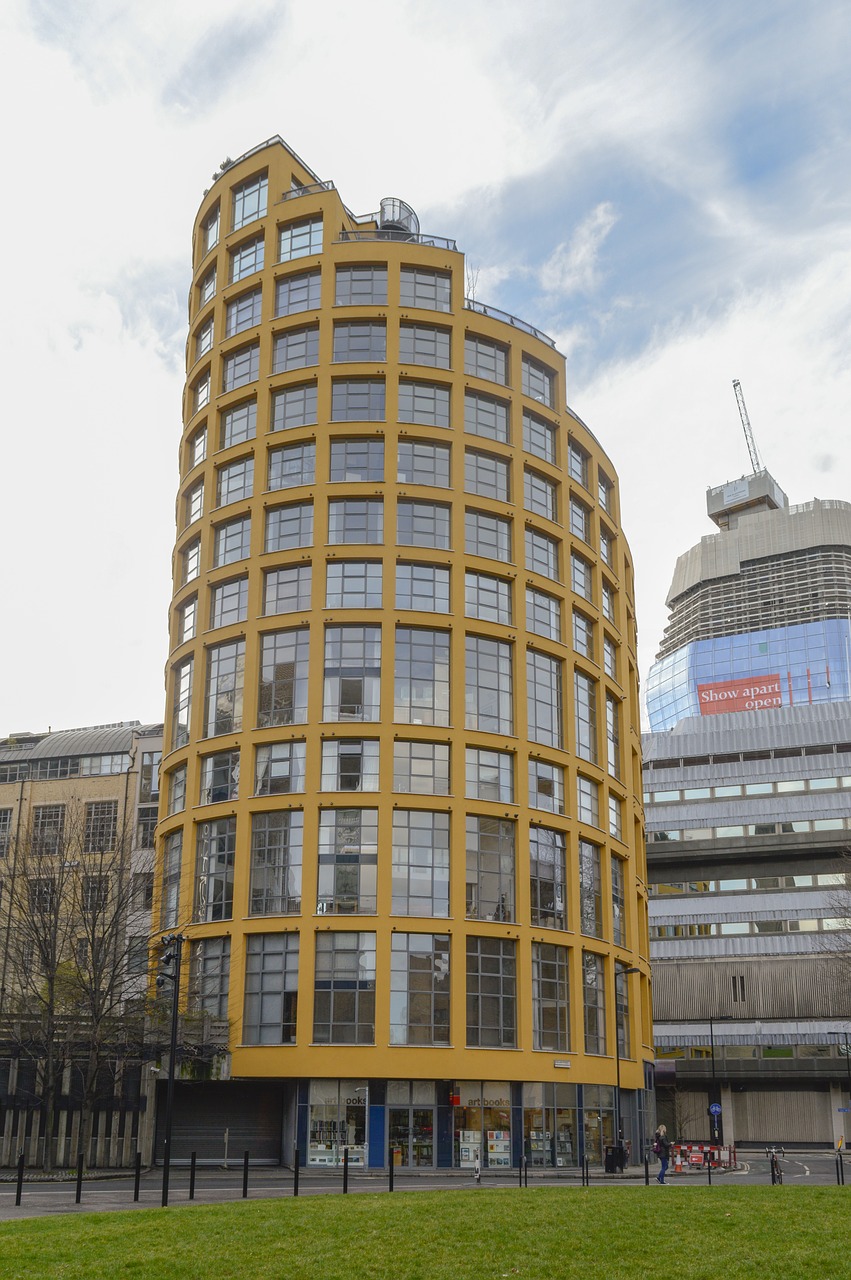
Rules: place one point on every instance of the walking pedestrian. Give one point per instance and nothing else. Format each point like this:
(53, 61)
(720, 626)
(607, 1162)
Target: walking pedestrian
(662, 1148)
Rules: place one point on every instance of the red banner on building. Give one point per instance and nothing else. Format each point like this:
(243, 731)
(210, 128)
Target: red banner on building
(748, 694)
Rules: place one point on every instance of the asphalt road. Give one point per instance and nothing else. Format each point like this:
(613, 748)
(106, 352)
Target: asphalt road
(219, 1186)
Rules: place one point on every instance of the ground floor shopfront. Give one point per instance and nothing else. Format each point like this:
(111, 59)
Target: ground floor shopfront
(416, 1124)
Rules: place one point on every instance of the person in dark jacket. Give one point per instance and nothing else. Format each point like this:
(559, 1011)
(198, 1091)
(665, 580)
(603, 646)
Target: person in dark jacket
(662, 1147)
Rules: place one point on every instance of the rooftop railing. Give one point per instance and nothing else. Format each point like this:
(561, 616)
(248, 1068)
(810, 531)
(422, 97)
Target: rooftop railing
(404, 237)
(514, 321)
(308, 190)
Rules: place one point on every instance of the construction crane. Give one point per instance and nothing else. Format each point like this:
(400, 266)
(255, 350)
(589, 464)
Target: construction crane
(756, 460)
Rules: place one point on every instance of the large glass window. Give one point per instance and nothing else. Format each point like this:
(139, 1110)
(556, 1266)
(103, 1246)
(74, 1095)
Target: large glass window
(429, 290)
(538, 382)
(590, 890)
(246, 258)
(241, 366)
(487, 597)
(353, 584)
(229, 602)
(361, 286)
(243, 312)
(580, 520)
(484, 358)
(577, 463)
(488, 691)
(355, 520)
(543, 614)
(219, 777)
(491, 993)
(490, 775)
(225, 675)
(291, 466)
(418, 462)
(357, 461)
(352, 673)
(239, 424)
(294, 407)
(283, 677)
(550, 998)
(279, 768)
(583, 634)
(299, 239)
(421, 768)
(235, 481)
(421, 677)
(201, 391)
(187, 625)
(547, 877)
(618, 902)
(182, 703)
(490, 868)
(539, 437)
(350, 764)
(425, 402)
(594, 1002)
(486, 474)
(207, 288)
(99, 830)
(191, 560)
(344, 994)
(544, 699)
(487, 535)
(214, 856)
(422, 586)
(546, 786)
(297, 293)
(210, 229)
(486, 416)
(296, 349)
(419, 989)
(613, 735)
(232, 541)
(540, 495)
(249, 200)
(542, 554)
(172, 865)
(420, 872)
(194, 503)
(209, 976)
(587, 800)
(204, 339)
(581, 576)
(271, 988)
(423, 524)
(289, 527)
(348, 861)
(357, 400)
(424, 344)
(360, 340)
(276, 857)
(585, 714)
(177, 790)
(285, 590)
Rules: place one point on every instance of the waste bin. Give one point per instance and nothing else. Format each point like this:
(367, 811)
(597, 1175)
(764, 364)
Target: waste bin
(611, 1162)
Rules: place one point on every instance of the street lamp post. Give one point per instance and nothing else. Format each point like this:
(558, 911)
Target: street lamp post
(619, 973)
(717, 1121)
(173, 946)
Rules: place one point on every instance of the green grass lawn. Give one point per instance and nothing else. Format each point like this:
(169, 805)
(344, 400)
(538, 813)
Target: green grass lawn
(723, 1232)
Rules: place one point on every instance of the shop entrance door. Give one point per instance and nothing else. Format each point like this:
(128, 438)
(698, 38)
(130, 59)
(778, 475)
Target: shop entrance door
(411, 1135)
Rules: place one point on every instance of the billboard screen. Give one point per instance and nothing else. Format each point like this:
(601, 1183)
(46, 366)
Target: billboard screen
(747, 694)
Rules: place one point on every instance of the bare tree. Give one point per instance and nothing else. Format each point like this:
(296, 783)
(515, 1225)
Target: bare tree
(67, 980)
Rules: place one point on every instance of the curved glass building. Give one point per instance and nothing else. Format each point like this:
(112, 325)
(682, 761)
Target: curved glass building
(401, 818)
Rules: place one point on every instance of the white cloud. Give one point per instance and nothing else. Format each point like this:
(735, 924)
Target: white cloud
(574, 266)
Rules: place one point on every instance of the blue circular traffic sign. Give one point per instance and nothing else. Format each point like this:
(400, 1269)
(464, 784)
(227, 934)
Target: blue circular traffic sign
(715, 1109)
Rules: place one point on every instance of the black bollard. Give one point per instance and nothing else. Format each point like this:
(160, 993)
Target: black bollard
(709, 1168)
(295, 1170)
(838, 1178)
(520, 1172)
(192, 1159)
(647, 1171)
(137, 1178)
(587, 1172)
(841, 1169)
(390, 1169)
(525, 1172)
(20, 1185)
(245, 1176)
(79, 1192)
(345, 1171)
